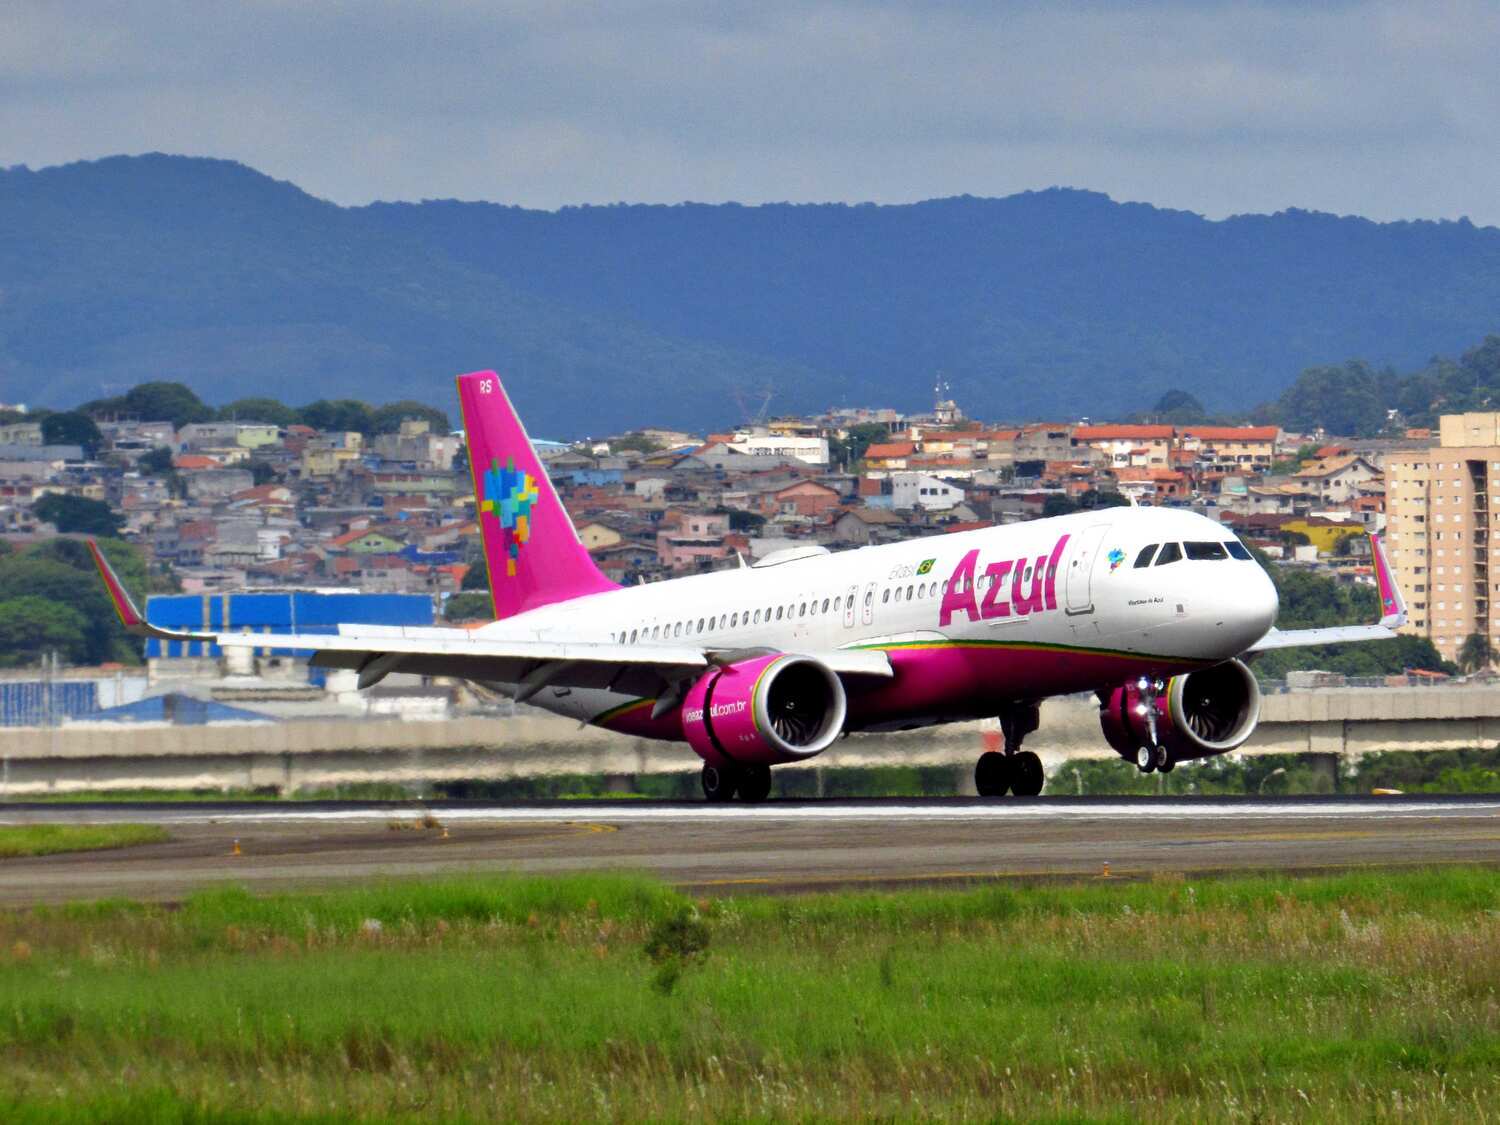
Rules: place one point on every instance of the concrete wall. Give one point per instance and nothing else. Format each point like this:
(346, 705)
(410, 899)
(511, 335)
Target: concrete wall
(313, 754)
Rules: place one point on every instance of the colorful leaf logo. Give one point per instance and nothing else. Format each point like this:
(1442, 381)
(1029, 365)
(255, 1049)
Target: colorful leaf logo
(510, 493)
(1116, 557)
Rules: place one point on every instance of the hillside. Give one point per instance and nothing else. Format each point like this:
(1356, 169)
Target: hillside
(1048, 303)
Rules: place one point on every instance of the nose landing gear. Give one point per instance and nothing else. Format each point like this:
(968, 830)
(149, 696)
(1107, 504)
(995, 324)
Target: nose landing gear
(1016, 770)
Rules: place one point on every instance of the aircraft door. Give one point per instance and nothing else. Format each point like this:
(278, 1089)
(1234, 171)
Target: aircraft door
(867, 605)
(849, 607)
(1083, 553)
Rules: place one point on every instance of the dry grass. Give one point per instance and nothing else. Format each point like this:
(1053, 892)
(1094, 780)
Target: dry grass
(1357, 997)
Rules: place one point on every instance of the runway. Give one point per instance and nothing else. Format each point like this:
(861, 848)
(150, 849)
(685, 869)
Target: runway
(775, 847)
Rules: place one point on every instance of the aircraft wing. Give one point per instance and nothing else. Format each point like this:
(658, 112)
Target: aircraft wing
(375, 651)
(1392, 616)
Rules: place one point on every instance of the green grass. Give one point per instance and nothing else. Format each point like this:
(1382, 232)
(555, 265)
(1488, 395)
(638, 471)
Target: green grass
(47, 839)
(1352, 997)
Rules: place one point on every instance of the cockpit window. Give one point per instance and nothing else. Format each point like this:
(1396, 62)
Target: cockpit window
(1170, 553)
(1199, 552)
(1237, 550)
(1144, 558)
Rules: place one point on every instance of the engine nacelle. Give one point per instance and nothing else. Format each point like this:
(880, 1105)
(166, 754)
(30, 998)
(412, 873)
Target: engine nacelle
(1199, 714)
(763, 711)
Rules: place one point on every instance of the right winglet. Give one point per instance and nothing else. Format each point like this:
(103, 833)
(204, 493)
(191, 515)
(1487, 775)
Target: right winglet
(130, 617)
(1392, 604)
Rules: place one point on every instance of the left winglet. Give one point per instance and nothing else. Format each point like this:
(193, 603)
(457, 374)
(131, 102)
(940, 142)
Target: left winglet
(130, 617)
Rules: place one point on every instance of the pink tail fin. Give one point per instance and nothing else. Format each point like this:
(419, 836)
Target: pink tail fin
(532, 550)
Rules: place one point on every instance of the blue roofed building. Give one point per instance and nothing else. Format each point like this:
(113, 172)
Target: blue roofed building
(274, 612)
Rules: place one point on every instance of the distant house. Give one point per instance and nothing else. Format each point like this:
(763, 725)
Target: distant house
(867, 526)
(910, 491)
(367, 542)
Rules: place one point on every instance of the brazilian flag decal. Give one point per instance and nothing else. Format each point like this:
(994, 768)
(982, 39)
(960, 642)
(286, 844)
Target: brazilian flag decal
(926, 566)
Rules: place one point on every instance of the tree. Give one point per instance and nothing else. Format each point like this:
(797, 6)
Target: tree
(269, 411)
(1476, 653)
(156, 462)
(31, 627)
(1179, 408)
(468, 606)
(72, 428)
(154, 402)
(1345, 399)
(1057, 505)
(746, 521)
(62, 571)
(638, 443)
(345, 415)
(262, 472)
(850, 449)
(387, 419)
(78, 515)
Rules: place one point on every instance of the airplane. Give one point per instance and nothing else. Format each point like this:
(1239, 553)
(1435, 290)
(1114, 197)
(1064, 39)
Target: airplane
(1153, 610)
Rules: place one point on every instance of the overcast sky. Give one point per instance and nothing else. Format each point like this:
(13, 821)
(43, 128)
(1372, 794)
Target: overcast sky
(1390, 110)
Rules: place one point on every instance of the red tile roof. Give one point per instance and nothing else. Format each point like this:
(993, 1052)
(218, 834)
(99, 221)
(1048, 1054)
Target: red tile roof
(1123, 433)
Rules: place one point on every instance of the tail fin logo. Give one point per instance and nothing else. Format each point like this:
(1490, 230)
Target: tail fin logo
(510, 493)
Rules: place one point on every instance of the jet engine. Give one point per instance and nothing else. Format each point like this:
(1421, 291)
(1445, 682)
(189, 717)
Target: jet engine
(763, 711)
(1197, 715)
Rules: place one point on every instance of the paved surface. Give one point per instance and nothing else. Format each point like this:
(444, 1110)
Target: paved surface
(779, 846)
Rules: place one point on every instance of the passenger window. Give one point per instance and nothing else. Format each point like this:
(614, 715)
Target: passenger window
(898, 593)
(908, 593)
(677, 632)
(922, 591)
(734, 621)
(869, 598)
(1170, 553)
(802, 612)
(655, 632)
(885, 597)
(1237, 550)
(778, 613)
(934, 589)
(632, 636)
(836, 603)
(700, 624)
(1203, 551)
(1144, 558)
(757, 617)
(825, 605)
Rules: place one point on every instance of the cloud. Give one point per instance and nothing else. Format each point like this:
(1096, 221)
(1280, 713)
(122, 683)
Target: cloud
(1378, 108)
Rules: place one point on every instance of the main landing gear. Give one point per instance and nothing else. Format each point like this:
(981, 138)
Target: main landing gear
(751, 783)
(1017, 771)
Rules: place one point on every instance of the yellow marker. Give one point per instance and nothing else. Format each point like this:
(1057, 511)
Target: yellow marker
(1105, 873)
(235, 850)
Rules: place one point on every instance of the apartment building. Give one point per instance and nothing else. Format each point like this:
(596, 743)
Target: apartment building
(1443, 544)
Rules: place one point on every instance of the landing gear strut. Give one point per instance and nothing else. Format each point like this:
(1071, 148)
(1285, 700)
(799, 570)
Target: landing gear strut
(1153, 756)
(751, 783)
(1016, 770)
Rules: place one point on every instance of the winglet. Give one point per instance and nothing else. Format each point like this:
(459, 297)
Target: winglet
(1392, 604)
(125, 610)
(130, 617)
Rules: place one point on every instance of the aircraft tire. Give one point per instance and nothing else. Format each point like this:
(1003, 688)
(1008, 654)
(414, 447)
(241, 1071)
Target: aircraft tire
(1167, 763)
(718, 785)
(1145, 759)
(992, 774)
(755, 784)
(1026, 775)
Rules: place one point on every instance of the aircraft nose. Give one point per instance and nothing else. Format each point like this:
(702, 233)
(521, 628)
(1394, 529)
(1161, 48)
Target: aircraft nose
(1260, 603)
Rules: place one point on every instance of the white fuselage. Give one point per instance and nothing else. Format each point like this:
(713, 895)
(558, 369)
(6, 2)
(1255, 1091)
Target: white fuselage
(937, 590)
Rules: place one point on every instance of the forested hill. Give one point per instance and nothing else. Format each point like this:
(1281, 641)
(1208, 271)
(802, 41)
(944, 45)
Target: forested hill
(1048, 303)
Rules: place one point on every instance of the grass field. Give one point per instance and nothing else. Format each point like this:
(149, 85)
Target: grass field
(46, 839)
(1353, 997)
